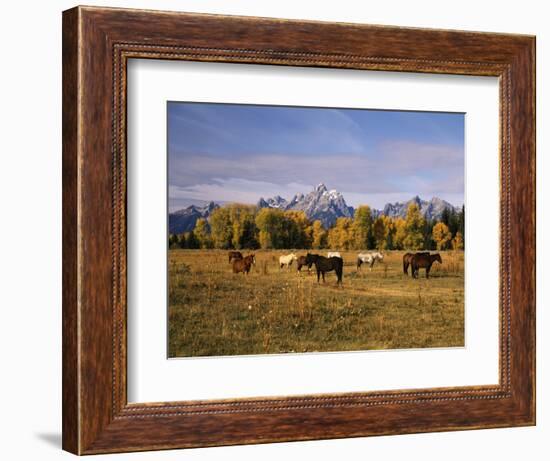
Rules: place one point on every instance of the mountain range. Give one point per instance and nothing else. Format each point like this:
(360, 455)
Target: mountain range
(322, 204)
(185, 220)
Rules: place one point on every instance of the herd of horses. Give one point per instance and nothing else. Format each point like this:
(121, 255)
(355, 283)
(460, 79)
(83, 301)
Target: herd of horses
(334, 262)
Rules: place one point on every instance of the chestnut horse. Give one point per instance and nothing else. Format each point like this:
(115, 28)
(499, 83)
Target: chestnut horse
(235, 255)
(407, 260)
(301, 262)
(423, 261)
(243, 265)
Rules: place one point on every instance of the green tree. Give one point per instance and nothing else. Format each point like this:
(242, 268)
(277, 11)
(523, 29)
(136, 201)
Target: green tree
(414, 227)
(390, 232)
(362, 228)
(173, 241)
(461, 223)
(221, 230)
(427, 232)
(191, 241)
(297, 225)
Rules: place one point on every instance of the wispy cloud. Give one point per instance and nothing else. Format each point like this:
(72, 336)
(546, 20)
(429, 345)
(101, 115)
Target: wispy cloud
(239, 153)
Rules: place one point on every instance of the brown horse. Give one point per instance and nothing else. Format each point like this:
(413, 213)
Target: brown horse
(301, 262)
(419, 261)
(235, 255)
(322, 265)
(407, 257)
(243, 265)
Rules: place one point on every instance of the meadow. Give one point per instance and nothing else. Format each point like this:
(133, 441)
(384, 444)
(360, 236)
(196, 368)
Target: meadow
(213, 312)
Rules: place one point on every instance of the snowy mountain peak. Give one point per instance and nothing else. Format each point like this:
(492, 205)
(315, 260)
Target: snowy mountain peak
(322, 204)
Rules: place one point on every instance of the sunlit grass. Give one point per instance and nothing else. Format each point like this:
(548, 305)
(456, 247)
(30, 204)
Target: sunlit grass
(215, 312)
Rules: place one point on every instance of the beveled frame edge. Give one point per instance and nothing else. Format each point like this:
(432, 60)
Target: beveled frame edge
(97, 43)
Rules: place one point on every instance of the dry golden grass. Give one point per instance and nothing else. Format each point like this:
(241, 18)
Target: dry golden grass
(215, 312)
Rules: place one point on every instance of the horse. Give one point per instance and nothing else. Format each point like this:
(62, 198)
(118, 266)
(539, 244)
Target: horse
(243, 265)
(235, 255)
(301, 262)
(423, 261)
(407, 260)
(369, 258)
(323, 265)
(336, 254)
(287, 260)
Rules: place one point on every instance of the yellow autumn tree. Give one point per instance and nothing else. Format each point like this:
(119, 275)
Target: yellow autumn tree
(298, 229)
(242, 225)
(202, 233)
(319, 235)
(399, 234)
(380, 232)
(441, 235)
(414, 227)
(221, 230)
(458, 242)
(270, 224)
(340, 237)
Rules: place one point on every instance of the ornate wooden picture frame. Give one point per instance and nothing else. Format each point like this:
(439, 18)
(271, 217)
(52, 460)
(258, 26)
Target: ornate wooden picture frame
(97, 44)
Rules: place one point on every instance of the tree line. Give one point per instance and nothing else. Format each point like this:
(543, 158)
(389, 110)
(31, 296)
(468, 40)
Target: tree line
(239, 226)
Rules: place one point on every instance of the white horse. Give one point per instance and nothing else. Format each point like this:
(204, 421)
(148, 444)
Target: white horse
(369, 258)
(330, 254)
(287, 260)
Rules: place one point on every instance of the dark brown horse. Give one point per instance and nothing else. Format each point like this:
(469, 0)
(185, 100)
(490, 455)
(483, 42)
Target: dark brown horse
(301, 262)
(407, 257)
(235, 255)
(243, 265)
(419, 261)
(323, 265)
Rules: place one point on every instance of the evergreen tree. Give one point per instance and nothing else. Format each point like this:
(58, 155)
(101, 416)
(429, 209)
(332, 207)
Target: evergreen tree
(429, 243)
(173, 241)
(461, 223)
(191, 241)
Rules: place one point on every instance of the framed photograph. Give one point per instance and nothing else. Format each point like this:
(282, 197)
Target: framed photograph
(281, 230)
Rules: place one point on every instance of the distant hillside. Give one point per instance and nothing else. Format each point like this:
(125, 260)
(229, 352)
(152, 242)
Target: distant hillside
(185, 220)
(432, 209)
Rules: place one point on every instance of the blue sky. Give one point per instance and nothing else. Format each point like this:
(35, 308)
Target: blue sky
(234, 152)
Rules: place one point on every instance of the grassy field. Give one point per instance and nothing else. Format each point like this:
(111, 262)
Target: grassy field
(215, 312)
